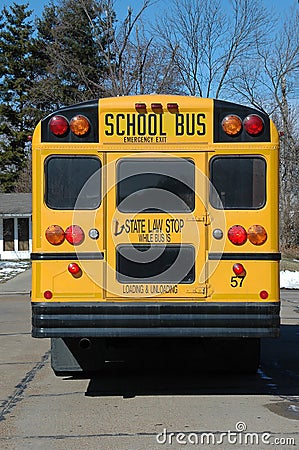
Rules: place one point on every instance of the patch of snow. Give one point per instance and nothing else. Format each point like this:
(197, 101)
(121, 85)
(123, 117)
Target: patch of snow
(289, 279)
(9, 269)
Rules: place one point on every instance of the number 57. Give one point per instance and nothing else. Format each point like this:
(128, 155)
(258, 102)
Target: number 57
(236, 281)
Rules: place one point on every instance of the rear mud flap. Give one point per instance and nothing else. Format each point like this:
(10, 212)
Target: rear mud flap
(76, 355)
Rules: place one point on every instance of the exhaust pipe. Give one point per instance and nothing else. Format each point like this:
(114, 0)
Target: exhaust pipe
(85, 343)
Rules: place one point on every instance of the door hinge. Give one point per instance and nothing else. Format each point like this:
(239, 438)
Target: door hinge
(205, 219)
(200, 289)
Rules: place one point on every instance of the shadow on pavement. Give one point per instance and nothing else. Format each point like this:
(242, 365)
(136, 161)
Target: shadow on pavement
(278, 374)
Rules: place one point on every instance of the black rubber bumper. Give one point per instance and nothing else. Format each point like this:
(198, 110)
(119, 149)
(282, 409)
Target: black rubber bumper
(188, 319)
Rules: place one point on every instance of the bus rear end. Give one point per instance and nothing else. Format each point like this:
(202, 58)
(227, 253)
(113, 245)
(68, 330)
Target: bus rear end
(155, 217)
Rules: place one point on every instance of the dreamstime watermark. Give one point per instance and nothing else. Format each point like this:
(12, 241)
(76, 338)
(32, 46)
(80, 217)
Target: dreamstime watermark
(240, 436)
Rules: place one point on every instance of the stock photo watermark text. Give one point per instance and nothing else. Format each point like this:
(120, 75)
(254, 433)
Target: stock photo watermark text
(239, 436)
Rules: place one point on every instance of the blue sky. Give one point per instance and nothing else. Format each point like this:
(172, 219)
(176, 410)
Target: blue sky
(279, 6)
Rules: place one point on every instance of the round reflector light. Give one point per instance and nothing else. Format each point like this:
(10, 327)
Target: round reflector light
(264, 295)
(48, 295)
(232, 125)
(80, 125)
(218, 233)
(257, 234)
(253, 124)
(94, 233)
(55, 235)
(59, 126)
(239, 270)
(74, 235)
(237, 235)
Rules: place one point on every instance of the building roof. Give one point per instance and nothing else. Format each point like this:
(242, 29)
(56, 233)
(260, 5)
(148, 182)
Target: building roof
(14, 204)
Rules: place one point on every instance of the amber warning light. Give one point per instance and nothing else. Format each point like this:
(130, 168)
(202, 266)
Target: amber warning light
(79, 125)
(232, 125)
(55, 234)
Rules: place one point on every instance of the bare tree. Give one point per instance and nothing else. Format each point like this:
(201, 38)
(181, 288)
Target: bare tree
(136, 65)
(268, 82)
(208, 45)
(246, 55)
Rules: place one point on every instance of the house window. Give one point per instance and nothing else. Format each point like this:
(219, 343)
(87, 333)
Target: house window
(8, 235)
(16, 234)
(23, 234)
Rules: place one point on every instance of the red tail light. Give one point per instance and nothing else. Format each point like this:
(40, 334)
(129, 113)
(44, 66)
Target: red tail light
(59, 126)
(237, 235)
(74, 235)
(239, 270)
(253, 124)
(75, 270)
(48, 295)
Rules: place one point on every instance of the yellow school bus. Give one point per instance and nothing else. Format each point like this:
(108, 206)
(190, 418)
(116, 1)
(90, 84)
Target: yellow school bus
(154, 217)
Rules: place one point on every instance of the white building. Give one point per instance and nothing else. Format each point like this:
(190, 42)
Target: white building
(15, 226)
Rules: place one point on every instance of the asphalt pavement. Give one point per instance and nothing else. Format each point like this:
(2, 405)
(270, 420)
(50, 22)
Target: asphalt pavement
(21, 284)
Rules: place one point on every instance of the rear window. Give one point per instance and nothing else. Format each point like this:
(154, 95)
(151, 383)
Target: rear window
(155, 185)
(72, 182)
(239, 182)
(155, 264)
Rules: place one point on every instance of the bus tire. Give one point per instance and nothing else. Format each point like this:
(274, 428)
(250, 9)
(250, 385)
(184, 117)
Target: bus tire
(250, 355)
(235, 355)
(245, 353)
